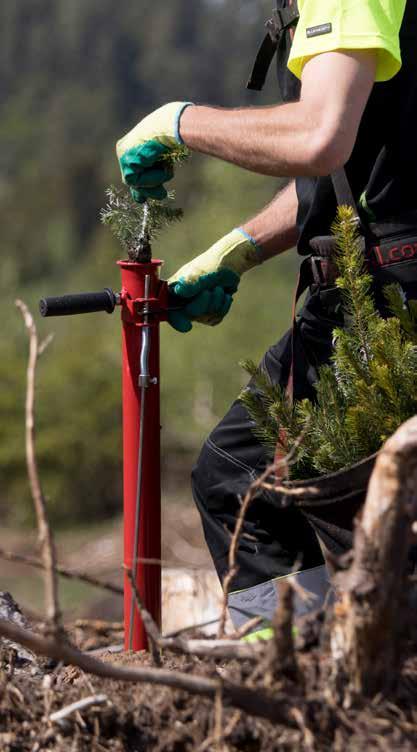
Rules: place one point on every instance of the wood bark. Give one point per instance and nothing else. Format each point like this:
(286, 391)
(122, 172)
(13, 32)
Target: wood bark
(281, 653)
(367, 631)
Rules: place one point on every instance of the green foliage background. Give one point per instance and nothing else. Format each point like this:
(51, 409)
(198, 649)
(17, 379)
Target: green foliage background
(74, 76)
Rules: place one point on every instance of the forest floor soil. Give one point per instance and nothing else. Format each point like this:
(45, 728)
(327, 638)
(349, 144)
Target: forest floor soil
(140, 717)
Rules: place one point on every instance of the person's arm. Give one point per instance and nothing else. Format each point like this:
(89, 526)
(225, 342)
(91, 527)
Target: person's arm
(313, 136)
(274, 228)
(206, 284)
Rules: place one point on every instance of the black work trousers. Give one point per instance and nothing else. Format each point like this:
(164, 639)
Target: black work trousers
(272, 540)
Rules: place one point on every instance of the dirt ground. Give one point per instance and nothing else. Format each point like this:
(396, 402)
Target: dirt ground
(145, 718)
(139, 718)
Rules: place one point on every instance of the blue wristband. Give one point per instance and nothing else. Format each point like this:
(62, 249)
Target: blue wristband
(177, 121)
(252, 240)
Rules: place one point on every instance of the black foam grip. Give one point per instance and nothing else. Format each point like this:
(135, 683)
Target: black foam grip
(84, 302)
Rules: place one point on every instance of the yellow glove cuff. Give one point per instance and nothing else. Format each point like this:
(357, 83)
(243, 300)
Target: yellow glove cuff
(236, 252)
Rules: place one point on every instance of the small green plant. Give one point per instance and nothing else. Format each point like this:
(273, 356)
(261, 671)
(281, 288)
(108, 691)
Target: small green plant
(366, 391)
(137, 225)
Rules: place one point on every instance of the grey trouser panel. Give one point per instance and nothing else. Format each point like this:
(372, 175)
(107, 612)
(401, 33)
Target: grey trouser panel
(262, 599)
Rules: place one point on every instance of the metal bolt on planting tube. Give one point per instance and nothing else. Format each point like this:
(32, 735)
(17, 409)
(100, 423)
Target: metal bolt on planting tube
(144, 304)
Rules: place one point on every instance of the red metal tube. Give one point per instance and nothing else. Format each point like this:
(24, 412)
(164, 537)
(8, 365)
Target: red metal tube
(148, 576)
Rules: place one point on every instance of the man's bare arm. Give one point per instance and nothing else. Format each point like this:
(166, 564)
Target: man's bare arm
(311, 137)
(274, 228)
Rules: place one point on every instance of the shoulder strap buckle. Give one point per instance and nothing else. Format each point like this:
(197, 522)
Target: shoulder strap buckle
(281, 20)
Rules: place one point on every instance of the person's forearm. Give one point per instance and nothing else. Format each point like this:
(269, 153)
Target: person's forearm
(278, 140)
(274, 229)
(314, 136)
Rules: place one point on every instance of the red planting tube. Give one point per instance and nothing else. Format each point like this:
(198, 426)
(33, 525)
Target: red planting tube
(144, 305)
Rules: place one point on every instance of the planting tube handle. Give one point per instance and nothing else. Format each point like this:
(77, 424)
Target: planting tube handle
(84, 302)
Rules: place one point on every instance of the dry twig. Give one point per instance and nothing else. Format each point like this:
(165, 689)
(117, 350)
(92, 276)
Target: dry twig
(228, 731)
(258, 485)
(62, 571)
(255, 702)
(192, 627)
(224, 649)
(83, 704)
(218, 717)
(100, 626)
(46, 540)
(288, 491)
(234, 542)
(151, 627)
(281, 653)
(246, 628)
(199, 648)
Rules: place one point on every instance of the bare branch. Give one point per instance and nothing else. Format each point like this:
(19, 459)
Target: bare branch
(233, 569)
(289, 491)
(224, 649)
(83, 704)
(43, 345)
(192, 627)
(245, 629)
(151, 627)
(215, 649)
(226, 733)
(252, 491)
(255, 702)
(281, 652)
(306, 596)
(62, 571)
(46, 540)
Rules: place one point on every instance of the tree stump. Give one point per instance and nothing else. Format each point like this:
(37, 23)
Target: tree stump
(368, 624)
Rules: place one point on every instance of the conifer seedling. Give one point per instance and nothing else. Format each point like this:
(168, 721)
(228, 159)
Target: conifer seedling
(364, 394)
(137, 225)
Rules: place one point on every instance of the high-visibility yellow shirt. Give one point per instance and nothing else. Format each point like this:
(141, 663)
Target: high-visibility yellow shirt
(329, 25)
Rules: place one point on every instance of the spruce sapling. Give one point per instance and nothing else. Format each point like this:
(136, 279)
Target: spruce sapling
(366, 391)
(137, 225)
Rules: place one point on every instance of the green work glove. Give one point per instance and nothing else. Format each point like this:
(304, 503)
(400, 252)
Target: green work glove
(143, 152)
(203, 289)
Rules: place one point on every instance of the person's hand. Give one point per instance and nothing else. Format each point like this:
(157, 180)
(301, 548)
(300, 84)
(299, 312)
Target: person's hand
(143, 153)
(203, 289)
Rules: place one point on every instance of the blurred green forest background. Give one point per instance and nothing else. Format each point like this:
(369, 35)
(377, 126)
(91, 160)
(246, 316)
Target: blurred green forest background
(74, 76)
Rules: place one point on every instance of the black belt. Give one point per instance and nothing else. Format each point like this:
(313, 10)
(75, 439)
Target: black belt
(320, 269)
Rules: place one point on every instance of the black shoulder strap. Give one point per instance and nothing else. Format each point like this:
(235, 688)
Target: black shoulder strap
(343, 192)
(262, 64)
(282, 19)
